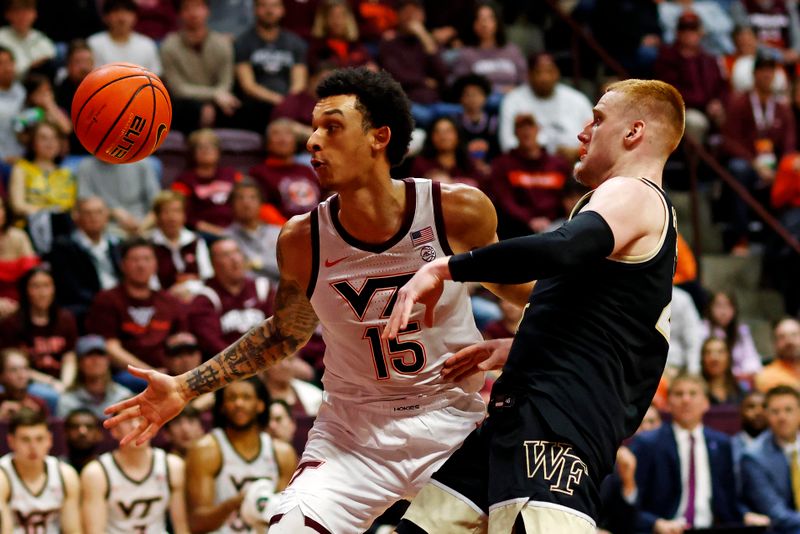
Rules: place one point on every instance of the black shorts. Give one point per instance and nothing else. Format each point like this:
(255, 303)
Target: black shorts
(512, 463)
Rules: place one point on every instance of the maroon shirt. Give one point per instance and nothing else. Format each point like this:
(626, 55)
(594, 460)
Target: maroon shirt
(771, 25)
(218, 318)
(699, 78)
(299, 16)
(740, 132)
(168, 273)
(342, 53)
(141, 325)
(526, 188)
(467, 175)
(290, 187)
(405, 59)
(207, 199)
(496, 330)
(156, 18)
(297, 107)
(45, 345)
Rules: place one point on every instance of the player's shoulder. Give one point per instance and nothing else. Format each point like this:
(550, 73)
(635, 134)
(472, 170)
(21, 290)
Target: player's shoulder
(461, 198)
(470, 219)
(625, 188)
(93, 471)
(205, 454)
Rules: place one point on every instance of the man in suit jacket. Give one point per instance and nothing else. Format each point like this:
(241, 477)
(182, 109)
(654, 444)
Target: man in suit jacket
(86, 261)
(684, 459)
(769, 486)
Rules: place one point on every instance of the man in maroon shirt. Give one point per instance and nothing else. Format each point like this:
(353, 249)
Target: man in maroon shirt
(15, 374)
(231, 303)
(134, 319)
(526, 183)
(696, 74)
(289, 186)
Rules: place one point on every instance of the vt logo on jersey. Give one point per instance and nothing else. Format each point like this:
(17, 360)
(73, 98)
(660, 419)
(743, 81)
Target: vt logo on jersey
(556, 463)
(36, 521)
(359, 299)
(145, 504)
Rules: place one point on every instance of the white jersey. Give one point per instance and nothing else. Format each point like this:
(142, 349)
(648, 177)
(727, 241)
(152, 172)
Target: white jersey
(138, 507)
(38, 513)
(353, 289)
(236, 473)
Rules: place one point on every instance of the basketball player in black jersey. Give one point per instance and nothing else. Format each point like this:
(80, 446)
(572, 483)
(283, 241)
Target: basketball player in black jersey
(589, 352)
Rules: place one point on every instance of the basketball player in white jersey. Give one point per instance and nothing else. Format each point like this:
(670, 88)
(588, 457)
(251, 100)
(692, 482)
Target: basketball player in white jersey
(38, 493)
(389, 419)
(130, 490)
(237, 452)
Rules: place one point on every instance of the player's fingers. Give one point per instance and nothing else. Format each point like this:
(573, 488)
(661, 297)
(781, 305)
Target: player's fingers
(139, 372)
(465, 354)
(122, 411)
(430, 311)
(132, 435)
(493, 362)
(148, 433)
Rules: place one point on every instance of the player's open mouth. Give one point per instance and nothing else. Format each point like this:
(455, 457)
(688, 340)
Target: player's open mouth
(582, 151)
(316, 163)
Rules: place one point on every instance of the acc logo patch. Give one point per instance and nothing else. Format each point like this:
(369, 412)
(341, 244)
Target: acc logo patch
(427, 253)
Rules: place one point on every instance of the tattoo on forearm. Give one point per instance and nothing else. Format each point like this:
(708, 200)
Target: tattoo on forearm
(279, 336)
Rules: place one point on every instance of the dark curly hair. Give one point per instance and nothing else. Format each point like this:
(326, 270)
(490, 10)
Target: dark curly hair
(381, 101)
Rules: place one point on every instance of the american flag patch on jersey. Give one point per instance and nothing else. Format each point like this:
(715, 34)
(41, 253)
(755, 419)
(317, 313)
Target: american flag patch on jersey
(420, 237)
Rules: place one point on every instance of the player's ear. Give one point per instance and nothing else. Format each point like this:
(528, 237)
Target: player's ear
(634, 134)
(380, 138)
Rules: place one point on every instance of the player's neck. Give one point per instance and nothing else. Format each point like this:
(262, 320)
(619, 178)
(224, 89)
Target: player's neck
(246, 441)
(195, 36)
(120, 37)
(374, 212)
(133, 456)
(28, 471)
(638, 166)
(137, 291)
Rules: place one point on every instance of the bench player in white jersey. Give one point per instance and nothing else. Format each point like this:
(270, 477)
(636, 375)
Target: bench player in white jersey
(130, 490)
(389, 419)
(237, 452)
(38, 493)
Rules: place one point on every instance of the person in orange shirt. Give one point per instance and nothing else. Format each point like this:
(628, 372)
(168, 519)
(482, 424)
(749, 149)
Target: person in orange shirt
(785, 200)
(785, 370)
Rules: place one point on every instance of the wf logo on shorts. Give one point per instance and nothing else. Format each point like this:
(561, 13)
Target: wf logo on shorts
(556, 463)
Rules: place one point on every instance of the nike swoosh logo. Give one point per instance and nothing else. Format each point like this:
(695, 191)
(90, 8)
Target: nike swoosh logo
(329, 263)
(161, 129)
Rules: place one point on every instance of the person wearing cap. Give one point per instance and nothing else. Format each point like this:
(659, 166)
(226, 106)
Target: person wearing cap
(183, 354)
(93, 388)
(718, 24)
(758, 132)
(696, 74)
(526, 183)
(560, 110)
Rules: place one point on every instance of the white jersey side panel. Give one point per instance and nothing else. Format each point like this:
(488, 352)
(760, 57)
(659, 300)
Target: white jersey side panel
(237, 473)
(40, 513)
(355, 289)
(137, 507)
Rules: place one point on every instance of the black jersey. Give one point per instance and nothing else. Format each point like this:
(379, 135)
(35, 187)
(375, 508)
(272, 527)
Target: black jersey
(592, 346)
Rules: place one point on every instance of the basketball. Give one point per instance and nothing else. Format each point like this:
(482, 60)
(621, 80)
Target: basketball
(121, 112)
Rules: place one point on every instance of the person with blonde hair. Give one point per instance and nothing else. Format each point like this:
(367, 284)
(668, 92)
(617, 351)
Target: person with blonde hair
(334, 37)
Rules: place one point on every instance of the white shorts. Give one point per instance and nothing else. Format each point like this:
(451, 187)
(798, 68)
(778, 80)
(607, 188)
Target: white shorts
(360, 459)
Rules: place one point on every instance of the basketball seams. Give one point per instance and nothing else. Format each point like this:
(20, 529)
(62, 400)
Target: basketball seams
(121, 113)
(152, 119)
(86, 102)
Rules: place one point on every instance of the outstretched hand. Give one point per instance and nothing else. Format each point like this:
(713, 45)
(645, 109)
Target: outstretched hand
(484, 356)
(425, 287)
(160, 402)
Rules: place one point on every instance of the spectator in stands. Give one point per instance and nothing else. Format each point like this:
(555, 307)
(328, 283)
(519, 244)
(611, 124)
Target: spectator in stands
(739, 65)
(206, 185)
(231, 303)
(299, 107)
(93, 388)
(300, 16)
(12, 98)
(40, 105)
(183, 355)
(229, 16)
(335, 37)
(618, 494)
(66, 20)
(128, 191)
(770, 467)
(376, 18)
(184, 430)
(685, 335)
(198, 69)
(15, 375)
(156, 18)
(445, 154)
(559, 109)
(697, 75)
(80, 63)
(82, 435)
(785, 200)
(630, 31)
(774, 23)
(55, 506)
(785, 369)
(134, 319)
(119, 42)
(86, 261)
(526, 183)
(281, 423)
(32, 49)
(716, 22)
(664, 504)
(722, 321)
(16, 258)
(478, 127)
(46, 332)
(651, 420)
(270, 63)
(182, 255)
(487, 53)
(759, 130)
(717, 371)
(412, 58)
(289, 186)
(257, 240)
(303, 398)
(754, 422)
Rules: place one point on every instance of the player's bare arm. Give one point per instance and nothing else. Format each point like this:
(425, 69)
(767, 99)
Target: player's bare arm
(278, 337)
(94, 485)
(177, 500)
(470, 221)
(6, 519)
(287, 462)
(70, 510)
(203, 461)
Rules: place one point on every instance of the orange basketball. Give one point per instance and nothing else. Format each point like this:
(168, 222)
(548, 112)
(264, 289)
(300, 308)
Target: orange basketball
(121, 112)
